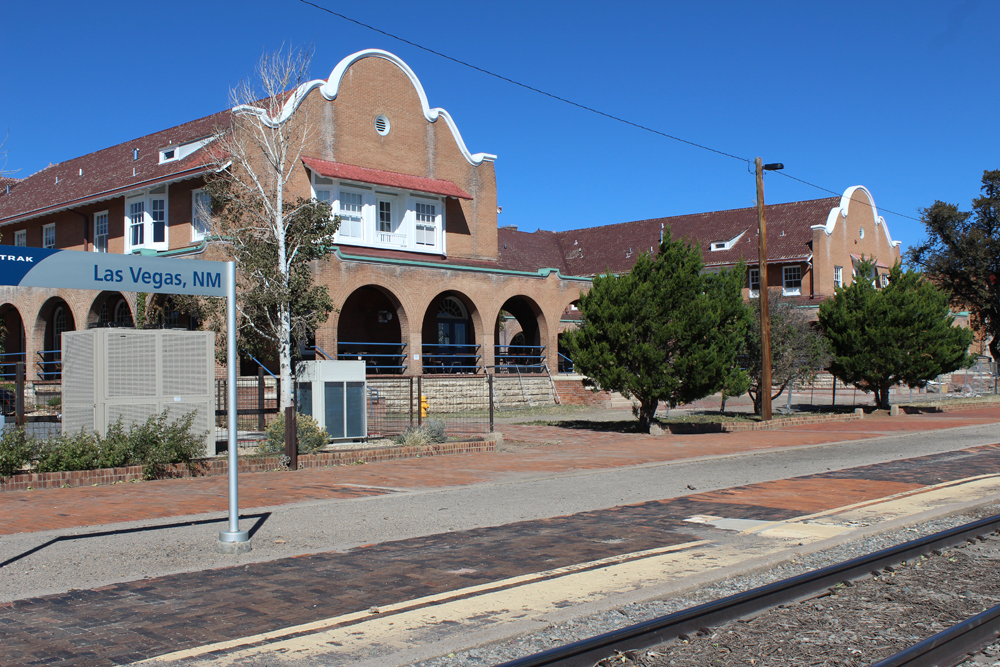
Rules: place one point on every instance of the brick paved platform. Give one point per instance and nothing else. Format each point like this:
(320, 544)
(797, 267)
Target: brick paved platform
(131, 621)
(529, 450)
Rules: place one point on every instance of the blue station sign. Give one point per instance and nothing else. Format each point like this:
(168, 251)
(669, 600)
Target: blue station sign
(76, 269)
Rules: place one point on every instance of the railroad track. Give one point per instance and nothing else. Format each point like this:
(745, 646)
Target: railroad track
(948, 647)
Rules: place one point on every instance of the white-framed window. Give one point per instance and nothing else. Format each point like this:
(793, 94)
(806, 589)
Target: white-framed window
(101, 231)
(883, 280)
(137, 222)
(21, 238)
(351, 211)
(146, 217)
(791, 280)
(49, 236)
(838, 276)
(385, 215)
(426, 223)
(754, 275)
(201, 214)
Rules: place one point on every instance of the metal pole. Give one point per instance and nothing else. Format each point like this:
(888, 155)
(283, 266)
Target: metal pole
(19, 390)
(260, 398)
(489, 381)
(765, 316)
(233, 540)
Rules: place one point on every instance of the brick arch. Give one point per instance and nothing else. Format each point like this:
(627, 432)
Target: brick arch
(373, 314)
(110, 300)
(15, 342)
(45, 335)
(435, 359)
(531, 324)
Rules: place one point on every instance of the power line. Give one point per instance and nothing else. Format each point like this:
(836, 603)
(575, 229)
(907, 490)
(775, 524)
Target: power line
(568, 101)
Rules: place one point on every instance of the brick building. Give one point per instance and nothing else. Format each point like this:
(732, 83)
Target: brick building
(423, 280)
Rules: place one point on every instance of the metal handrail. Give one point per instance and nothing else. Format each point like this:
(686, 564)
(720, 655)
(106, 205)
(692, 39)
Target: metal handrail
(254, 359)
(572, 366)
(375, 356)
(42, 363)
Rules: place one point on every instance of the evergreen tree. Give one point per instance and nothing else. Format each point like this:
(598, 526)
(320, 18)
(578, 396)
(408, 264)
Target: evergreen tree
(962, 255)
(662, 332)
(900, 334)
(798, 350)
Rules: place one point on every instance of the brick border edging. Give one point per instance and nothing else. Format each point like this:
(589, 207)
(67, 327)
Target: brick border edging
(780, 422)
(220, 465)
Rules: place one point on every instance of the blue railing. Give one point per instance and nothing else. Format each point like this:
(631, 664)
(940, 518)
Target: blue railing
(451, 358)
(379, 358)
(254, 359)
(8, 364)
(49, 365)
(565, 364)
(523, 358)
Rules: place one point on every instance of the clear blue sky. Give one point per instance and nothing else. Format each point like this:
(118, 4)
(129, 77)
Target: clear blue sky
(901, 97)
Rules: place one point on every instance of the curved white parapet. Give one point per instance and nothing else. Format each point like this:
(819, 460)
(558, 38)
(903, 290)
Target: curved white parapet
(331, 87)
(841, 212)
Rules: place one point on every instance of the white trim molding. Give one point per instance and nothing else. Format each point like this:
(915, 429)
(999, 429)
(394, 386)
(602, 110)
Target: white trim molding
(331, 87)
(841, 212)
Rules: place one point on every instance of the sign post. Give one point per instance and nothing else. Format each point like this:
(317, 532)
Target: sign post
(75, 269)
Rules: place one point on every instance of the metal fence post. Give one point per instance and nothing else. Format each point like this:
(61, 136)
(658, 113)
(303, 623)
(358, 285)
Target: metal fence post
(489, 382)
(291, 439)
(260, 398)
(411, 401)
(420, 399)
(19, 391)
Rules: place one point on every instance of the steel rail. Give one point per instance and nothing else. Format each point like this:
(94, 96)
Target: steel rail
(587, 652)
(951, 646)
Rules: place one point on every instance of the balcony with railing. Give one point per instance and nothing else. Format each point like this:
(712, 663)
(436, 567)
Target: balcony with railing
(379, 358)
(8, 365)
(49, 364)
(451, 358)
(519, 358)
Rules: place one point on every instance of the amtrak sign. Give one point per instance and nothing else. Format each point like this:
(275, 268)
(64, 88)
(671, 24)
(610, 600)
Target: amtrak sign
(44, 267)
(75, 269)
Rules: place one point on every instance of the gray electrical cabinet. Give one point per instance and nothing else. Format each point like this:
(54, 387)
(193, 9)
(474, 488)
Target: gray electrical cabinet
(135, 374)
(333, 393)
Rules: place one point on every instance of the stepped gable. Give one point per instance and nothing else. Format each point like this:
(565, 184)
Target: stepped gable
(594, 250)
(108, 172)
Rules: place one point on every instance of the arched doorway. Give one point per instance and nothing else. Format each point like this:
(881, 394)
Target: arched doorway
(57, 318)
(110, 309)
(13, 342)
(370, 328)
(449, 336)
(519, 336)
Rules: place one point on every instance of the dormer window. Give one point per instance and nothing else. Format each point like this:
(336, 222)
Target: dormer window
(726, 245)
(168, 154)
(179, 152)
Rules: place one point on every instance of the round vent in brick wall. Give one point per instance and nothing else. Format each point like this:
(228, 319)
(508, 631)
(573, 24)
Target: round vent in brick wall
(382, 125)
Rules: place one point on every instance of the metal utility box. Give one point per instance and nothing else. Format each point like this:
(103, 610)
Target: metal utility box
(333, 393)
(135, 374)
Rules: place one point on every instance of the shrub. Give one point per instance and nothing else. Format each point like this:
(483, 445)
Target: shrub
(310, 436)
(55, 401)
(16, 449)
(69, 452)
(430, 431)
(153, 445)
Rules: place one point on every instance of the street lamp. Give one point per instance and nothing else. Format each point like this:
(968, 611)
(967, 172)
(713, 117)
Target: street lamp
(765, 316)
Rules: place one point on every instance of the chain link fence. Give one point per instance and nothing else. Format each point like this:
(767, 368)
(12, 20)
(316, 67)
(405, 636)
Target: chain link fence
(398, 403)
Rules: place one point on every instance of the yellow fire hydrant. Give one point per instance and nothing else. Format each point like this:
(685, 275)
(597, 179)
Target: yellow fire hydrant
(423, 406)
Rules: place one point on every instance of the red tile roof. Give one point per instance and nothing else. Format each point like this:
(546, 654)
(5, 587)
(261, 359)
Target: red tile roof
(392, 179)
(109, 172)
(615, 248)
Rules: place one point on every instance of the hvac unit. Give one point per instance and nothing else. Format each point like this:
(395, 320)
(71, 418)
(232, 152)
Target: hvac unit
(333, 393)
(135, 374)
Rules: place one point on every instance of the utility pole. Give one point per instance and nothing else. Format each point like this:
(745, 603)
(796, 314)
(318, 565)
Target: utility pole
(765, 316)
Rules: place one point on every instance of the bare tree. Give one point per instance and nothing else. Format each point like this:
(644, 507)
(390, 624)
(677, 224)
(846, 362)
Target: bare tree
(271, 235)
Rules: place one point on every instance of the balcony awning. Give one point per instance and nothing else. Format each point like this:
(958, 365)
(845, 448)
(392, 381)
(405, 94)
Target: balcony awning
(390, 179)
